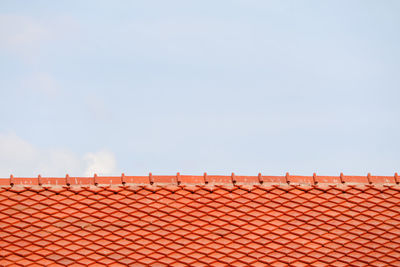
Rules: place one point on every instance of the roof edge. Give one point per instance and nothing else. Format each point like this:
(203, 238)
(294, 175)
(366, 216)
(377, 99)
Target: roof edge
(179, 179)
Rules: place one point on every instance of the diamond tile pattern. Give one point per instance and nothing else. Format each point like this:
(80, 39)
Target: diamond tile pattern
(160, 225)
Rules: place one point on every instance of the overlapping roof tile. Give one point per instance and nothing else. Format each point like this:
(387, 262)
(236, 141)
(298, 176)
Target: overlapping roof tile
(200, 220)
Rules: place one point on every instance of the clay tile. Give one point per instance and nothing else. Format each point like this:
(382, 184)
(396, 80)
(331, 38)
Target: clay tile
(5, 182)
(247, 179)
(136, 179)
(191, 179)
(164, 179)
(219, 179)
(355, 179)
(194, 223)
(301, 179)
(328, 179)
(108, 180)
(274, 179)
(382, 179)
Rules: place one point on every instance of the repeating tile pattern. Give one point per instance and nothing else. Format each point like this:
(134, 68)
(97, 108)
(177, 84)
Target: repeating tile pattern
(218, 225)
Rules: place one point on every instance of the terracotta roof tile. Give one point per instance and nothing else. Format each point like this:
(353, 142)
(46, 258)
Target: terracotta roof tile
(200, 220)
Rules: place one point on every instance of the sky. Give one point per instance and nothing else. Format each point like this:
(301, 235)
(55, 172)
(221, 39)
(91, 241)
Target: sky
(199, 86)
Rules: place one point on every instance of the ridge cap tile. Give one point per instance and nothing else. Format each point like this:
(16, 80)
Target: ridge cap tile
(179, 179)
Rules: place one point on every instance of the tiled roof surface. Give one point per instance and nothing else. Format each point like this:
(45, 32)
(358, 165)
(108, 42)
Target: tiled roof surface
(200, 220)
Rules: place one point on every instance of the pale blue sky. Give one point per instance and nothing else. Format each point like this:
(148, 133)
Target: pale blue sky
(194, 86)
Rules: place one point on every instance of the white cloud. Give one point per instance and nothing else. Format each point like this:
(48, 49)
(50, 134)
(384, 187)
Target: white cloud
(19, 157)
(13, 148)
(102, 163)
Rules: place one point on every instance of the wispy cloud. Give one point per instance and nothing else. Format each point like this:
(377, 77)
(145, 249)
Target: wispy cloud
(21, 158)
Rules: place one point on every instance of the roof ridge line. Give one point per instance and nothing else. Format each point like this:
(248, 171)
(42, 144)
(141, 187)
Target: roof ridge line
(179, 179)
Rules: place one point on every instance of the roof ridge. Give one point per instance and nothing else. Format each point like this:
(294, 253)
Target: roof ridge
(179, 179)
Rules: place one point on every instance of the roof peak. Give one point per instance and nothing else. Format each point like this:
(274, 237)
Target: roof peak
(179, 179)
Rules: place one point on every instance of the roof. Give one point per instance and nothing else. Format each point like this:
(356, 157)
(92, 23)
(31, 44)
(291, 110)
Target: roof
(200, 220)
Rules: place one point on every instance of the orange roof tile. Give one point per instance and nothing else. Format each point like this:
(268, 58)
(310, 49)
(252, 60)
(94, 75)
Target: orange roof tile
(200, 220)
